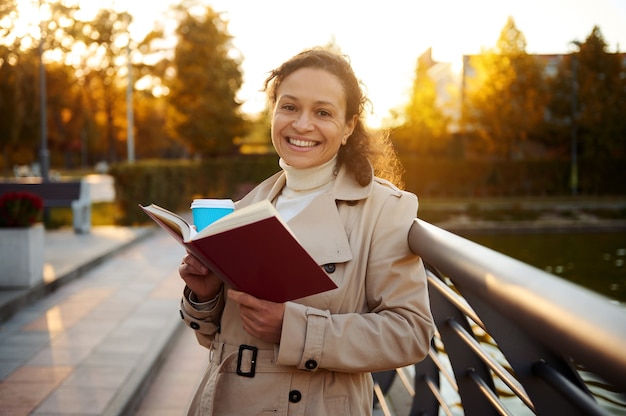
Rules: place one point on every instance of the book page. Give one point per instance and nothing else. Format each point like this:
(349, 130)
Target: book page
(173, 221)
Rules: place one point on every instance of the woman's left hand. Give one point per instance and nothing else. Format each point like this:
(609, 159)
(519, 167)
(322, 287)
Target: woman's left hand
(261, 318)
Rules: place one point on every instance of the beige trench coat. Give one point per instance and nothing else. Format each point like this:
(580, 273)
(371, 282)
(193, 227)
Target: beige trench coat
(377, 319)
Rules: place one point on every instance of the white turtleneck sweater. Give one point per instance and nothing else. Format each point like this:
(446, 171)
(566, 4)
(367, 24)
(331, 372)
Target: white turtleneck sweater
(302, 186)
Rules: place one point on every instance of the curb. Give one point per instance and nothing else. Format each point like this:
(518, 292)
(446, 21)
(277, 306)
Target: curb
(132, 392)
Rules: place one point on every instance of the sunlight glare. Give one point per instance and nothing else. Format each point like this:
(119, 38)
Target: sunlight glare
(54, 320)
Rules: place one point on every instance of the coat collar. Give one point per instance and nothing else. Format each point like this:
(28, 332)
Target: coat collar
(346, 188)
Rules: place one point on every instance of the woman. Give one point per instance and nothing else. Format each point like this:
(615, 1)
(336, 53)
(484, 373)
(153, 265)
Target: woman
(314, 356)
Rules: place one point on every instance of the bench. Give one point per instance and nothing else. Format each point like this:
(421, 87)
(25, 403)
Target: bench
(74, 194)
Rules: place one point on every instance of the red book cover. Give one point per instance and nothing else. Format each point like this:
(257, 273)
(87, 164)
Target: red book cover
(261, 257)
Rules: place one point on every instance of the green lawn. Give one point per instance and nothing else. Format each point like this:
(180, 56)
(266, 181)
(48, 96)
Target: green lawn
(102, 213)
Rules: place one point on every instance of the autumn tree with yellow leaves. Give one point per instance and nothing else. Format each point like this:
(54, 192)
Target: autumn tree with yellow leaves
(203, 111)
(504, 100)
(421, 126)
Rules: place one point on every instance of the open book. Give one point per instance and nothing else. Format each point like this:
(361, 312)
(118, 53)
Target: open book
(252, 250)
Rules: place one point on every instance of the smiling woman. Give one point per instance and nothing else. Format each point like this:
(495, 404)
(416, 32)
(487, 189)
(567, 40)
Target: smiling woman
(312, 355)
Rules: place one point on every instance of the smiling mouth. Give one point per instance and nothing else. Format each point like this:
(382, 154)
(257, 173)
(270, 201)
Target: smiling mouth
(301, 143)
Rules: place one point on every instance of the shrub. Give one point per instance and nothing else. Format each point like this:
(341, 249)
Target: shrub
(20, 209)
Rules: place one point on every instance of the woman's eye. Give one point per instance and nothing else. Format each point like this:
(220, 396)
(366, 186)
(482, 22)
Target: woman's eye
(324, 113)
(289, 107)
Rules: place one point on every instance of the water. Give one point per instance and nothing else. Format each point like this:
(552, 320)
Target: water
(595, 260)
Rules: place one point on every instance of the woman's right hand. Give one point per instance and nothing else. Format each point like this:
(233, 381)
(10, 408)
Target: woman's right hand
(204, 284)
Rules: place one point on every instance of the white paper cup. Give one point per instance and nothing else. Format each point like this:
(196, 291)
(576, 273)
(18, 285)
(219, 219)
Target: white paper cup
(206, 211)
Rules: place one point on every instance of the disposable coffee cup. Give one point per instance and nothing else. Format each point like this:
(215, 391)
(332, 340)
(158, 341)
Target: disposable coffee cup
(207, 211)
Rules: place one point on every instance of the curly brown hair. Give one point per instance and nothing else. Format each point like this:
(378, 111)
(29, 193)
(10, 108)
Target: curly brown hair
(363, 150)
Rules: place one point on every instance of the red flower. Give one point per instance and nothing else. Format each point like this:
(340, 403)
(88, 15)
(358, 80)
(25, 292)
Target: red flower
(20, 209)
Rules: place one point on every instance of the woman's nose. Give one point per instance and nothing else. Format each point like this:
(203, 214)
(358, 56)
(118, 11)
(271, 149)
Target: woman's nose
(302, 122)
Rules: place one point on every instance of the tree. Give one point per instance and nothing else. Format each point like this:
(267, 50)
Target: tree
(18, 90)
(152, 140)
(203, 110)
(589, 95)
(423, 124)
(102, 72)
(504, 102)
(67, 119)
(19, 108)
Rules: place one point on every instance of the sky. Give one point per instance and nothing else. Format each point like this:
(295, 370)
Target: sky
(384, 38)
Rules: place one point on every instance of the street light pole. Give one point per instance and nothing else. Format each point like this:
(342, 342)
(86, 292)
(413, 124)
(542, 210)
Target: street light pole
(44, 156)
(130, 129)
(574, 126)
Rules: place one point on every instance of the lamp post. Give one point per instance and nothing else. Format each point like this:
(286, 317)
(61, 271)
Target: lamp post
(44, 155)
(130, 128)
(574, 127)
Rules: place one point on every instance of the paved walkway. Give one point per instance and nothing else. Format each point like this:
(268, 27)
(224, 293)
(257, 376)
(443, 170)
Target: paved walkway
(90, 346)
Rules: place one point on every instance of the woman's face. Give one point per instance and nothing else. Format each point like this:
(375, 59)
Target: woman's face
(309, 120)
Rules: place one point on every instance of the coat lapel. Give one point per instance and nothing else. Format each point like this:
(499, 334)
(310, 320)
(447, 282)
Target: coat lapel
(320, 222)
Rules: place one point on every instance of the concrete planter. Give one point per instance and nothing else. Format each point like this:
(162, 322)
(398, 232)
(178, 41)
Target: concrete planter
(21, 256)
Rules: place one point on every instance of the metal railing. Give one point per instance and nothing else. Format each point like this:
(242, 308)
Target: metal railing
(511, 339)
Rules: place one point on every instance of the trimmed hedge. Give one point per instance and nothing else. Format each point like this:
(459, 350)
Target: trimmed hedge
(173, 184)
(471, 178)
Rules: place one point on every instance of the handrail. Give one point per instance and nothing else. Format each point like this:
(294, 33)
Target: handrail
(549, 334)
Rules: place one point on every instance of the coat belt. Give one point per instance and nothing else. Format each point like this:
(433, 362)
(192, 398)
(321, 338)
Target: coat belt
(246, 360)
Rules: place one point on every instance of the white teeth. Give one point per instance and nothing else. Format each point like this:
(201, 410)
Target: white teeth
(301, 143)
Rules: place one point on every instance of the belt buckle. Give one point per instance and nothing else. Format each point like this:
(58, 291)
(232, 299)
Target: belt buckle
(252, 371)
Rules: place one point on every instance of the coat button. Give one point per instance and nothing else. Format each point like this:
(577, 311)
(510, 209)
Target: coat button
(194, 325)
(311, 365)
(330, 267)
(295, 396)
